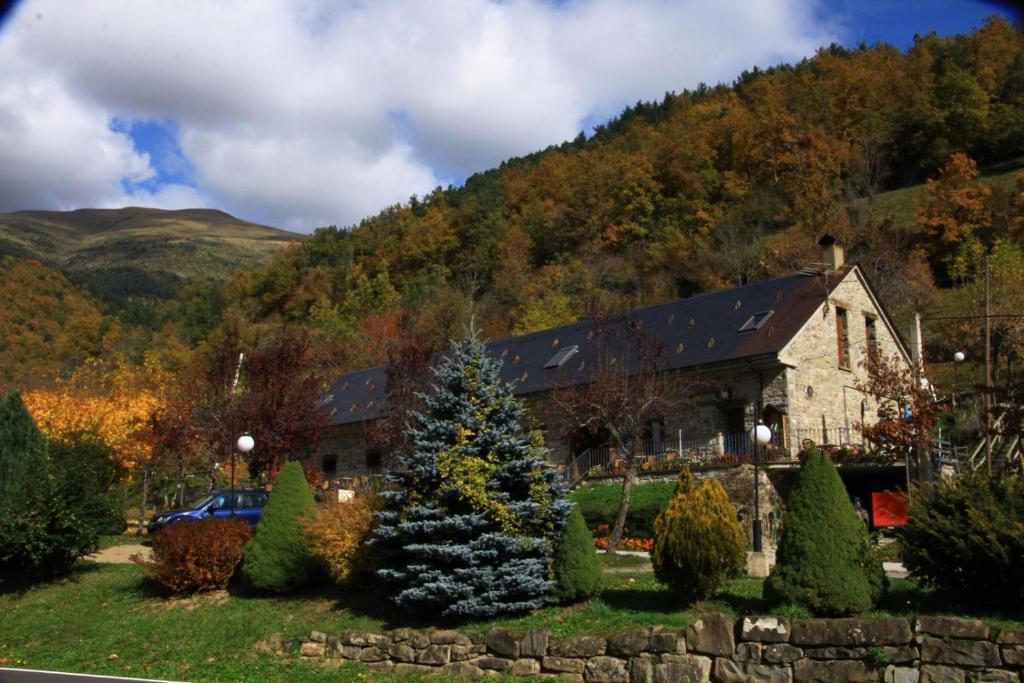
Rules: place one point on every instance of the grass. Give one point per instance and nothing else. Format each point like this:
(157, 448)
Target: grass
(619, 561)
(108, 619)
(112, 540)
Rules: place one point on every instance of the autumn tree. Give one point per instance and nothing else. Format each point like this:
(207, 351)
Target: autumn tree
(407, 373)
(905, 413)
(620, 389)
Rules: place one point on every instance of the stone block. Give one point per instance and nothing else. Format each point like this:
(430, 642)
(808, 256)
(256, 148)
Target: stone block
(781, 653)
(992, 676)
(434, 655)
(577, 646)
(462, 670)
(418, 641)
(1013, 655)
(641, 670)
(757, 565)
(840, 671)
(629, 643)
(602, 669)
(401, 634)
(765, 629)
(400, 652)
(448, 638)
(980, 653)
(275, 644)
(493, 663)
(931, 673)
(569, 665)
(836, 652)
(900, 654)
(535, 643)
(667, 641)
(901, 674)
(385, 665)
(525, 667)
(711, 634)
(501, 642)
(846, 632)
(318, 637)
(682, 669)
(335, 649)
(308, 649)
(1011, 636)
(748, 652)
(728, 671)
(372, 654)
(462, 653)
(949, 627)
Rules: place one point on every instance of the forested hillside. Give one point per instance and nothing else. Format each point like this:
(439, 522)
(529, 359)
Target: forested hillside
(703, 190)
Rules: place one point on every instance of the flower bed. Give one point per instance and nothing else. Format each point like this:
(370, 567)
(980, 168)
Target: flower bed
(600, 534)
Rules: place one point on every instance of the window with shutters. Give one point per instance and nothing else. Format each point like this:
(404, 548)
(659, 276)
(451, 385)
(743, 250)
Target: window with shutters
(843, 337)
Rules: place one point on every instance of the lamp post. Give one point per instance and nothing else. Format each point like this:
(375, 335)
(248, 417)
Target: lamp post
(245, 444)
(760, 435)
(958, 358)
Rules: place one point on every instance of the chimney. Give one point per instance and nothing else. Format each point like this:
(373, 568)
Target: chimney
(831, 252)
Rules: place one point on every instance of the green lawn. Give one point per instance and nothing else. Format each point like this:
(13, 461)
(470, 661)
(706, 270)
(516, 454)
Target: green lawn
(109, 619)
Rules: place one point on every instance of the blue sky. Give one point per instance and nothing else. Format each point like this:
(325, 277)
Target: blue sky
(301, 113)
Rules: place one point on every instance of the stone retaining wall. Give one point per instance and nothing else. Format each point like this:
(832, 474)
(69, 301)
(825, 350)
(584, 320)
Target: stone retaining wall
(714, 648)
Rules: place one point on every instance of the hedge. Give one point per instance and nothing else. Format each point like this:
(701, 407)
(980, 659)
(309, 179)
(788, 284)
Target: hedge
(599, 503)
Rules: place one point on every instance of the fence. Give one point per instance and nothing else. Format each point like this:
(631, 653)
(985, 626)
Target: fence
(707, 451)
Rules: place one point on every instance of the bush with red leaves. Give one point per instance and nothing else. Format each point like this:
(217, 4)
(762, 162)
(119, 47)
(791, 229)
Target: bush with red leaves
(198, 555)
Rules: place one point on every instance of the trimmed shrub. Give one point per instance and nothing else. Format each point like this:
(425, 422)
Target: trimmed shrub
(337, 535)
(198, 555)
(277, 559)
(965, 537)
(577, 569)
(87, 478)
(469, 528)
(599, 504)
(41, 531)
(698, 542)
(825, 560)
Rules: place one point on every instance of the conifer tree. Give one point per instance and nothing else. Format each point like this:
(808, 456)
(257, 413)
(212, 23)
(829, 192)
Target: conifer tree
(698, 543)
(277, 559)
(22, 448)
(470, 527)
(824, 560)
(577, 570)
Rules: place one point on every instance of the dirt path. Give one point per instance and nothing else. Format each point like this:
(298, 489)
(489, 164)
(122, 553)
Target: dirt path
(120, 554)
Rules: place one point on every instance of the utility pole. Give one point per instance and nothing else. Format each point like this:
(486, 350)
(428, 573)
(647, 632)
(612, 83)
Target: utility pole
(988, 375)
(922, 466)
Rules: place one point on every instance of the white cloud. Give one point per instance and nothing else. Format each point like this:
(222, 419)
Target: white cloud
(288, 110)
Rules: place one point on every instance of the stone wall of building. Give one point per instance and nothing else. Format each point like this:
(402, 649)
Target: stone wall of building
(346, 444)
(714, 648)
(821, 392)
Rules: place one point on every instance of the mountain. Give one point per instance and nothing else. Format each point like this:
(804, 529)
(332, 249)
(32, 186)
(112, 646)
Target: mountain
(188, 243)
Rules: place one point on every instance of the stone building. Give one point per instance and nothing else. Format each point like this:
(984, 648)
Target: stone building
(786, 351)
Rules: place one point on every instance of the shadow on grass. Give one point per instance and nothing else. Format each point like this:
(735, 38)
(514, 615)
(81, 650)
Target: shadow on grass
(21, 582)
(643, 600)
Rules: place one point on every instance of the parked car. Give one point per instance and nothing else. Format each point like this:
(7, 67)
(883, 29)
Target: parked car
(248, 505)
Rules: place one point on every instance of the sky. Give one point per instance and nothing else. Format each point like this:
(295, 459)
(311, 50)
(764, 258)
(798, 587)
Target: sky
(305, 113)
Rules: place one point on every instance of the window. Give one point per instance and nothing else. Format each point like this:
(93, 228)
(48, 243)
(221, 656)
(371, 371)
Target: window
(559, 359)
(755, 321)
(871, 335)
(843, 337)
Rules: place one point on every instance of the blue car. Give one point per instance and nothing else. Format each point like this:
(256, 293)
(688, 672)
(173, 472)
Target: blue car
(248, 505)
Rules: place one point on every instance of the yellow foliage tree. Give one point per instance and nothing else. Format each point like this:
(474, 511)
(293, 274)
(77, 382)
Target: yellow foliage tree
(337, 533)
(114, 404)
(957, 203)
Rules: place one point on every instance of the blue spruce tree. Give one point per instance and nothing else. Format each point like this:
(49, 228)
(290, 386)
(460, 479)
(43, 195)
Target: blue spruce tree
(470, 527)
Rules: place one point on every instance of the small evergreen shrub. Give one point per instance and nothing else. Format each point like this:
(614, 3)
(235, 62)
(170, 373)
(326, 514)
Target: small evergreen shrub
(337, 534)
(87, 478)
(278, 559)
(577, 569)
(698, 542)
(965, 537)
(825, 560)
(198, 555)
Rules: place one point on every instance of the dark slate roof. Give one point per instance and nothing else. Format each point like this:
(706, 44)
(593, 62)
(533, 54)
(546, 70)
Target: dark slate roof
(700, 331)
